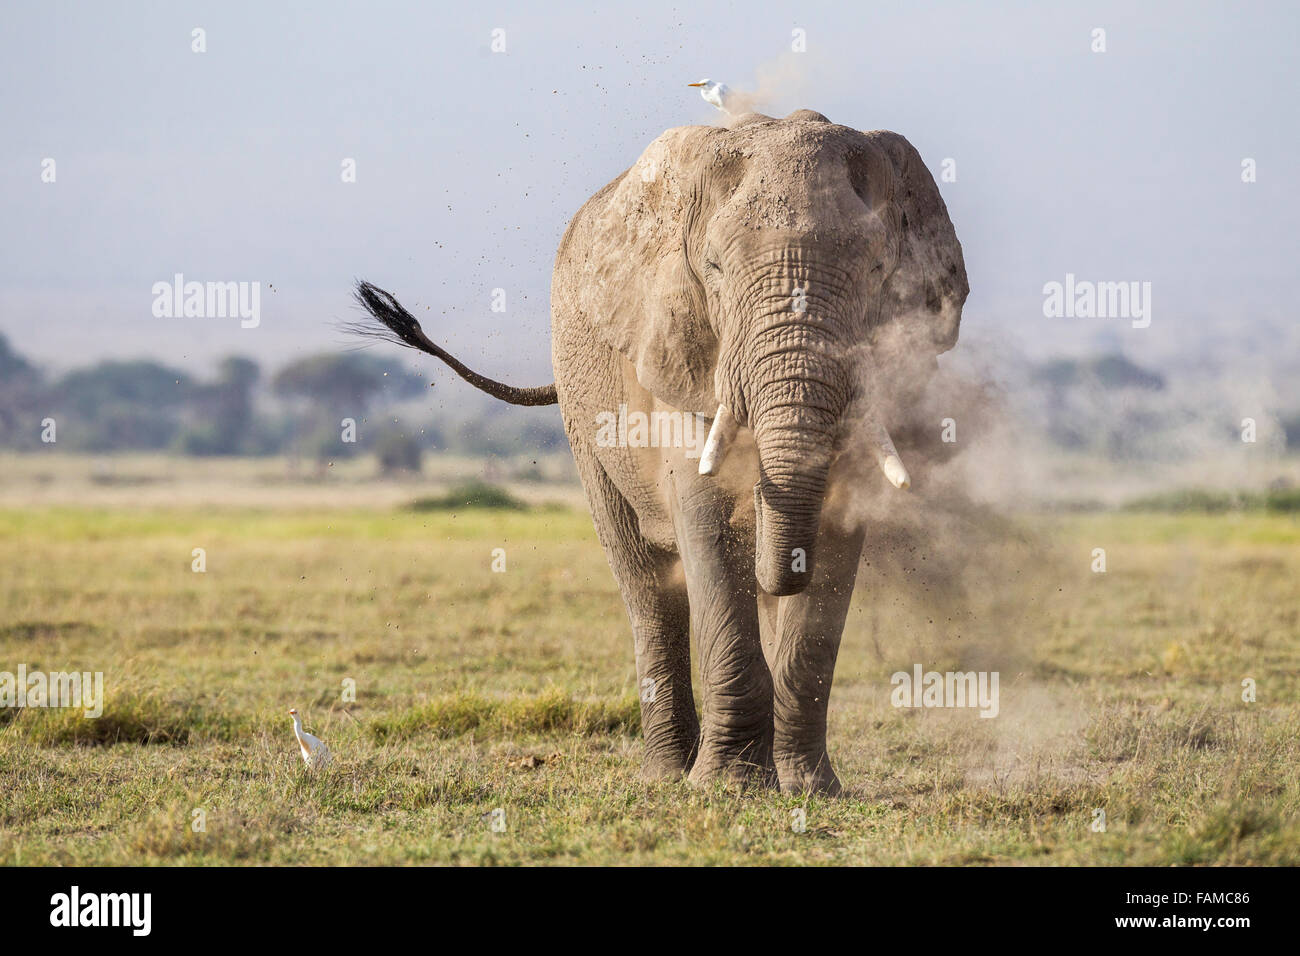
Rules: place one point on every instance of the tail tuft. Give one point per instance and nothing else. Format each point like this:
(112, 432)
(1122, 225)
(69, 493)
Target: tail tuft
(399, 326)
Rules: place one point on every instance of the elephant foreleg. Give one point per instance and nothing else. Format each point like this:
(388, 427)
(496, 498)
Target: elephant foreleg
(807, 641)
(736, 724)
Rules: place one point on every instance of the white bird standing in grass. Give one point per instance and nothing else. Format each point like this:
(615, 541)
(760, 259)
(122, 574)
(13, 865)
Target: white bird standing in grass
(314, 752)
(714, 93)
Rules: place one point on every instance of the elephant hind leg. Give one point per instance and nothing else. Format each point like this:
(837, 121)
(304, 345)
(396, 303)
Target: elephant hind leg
(654, 591)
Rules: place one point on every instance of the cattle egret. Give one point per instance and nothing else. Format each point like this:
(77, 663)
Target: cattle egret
(714, 93)
(314, 752)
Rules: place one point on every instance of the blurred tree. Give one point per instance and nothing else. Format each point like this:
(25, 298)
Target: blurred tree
(1291, 429)
(122, 404)
(141, 404)
(13, 365)
(345, 384)
(1111, 371)
(131, 382)
(223, 411)
(398, 451)
(501, 430)
(22, 390)
(331, 387)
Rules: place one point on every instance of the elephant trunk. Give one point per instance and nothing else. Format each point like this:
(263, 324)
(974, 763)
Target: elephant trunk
(793, 394)
(794, 463)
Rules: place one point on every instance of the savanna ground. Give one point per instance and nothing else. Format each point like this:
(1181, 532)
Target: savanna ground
(477, 690)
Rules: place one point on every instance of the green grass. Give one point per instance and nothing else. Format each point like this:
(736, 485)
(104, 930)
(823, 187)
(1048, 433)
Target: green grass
(128, 717)
(478, 690)
(550, 712)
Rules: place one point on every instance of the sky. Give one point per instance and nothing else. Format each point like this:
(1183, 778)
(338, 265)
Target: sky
(227, 164)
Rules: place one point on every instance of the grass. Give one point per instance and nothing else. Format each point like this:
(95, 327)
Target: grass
(551, 712)
(477, 691)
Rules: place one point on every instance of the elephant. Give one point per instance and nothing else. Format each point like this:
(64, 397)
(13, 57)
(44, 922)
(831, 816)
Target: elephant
(789, 283)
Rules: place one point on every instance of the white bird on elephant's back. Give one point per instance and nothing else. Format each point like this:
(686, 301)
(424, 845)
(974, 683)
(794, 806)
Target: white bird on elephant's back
(314, 752)
(714, 93)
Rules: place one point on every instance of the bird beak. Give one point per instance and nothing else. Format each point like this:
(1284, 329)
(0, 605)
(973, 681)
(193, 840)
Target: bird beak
(694, 84)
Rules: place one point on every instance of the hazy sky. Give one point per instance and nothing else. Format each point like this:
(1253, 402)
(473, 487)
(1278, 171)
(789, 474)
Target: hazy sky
(226, 165)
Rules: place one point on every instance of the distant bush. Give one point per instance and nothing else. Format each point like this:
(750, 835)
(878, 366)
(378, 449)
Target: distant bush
(398, 452)
(1291, 428)
(1282, 500)
(1187, 499)
(473, 494)
(1277, 500)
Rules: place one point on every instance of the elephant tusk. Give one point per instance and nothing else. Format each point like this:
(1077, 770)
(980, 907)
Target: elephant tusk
(719, 441)
(882, 446)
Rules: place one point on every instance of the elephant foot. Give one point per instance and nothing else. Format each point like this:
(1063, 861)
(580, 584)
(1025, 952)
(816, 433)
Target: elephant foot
(659, 769)
(669, 752)
(751, 768)
(815, 776)
(737, 776)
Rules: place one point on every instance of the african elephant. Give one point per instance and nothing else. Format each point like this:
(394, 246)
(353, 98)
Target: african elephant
(792, 281)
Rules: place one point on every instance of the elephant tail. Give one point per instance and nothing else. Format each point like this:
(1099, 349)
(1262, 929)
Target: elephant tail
(401, 327)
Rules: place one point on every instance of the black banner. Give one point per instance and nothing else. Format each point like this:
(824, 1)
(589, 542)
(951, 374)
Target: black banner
(912, 906)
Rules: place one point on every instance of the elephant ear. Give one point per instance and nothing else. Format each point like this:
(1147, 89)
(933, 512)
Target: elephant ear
(645, 299)
(925, 292)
